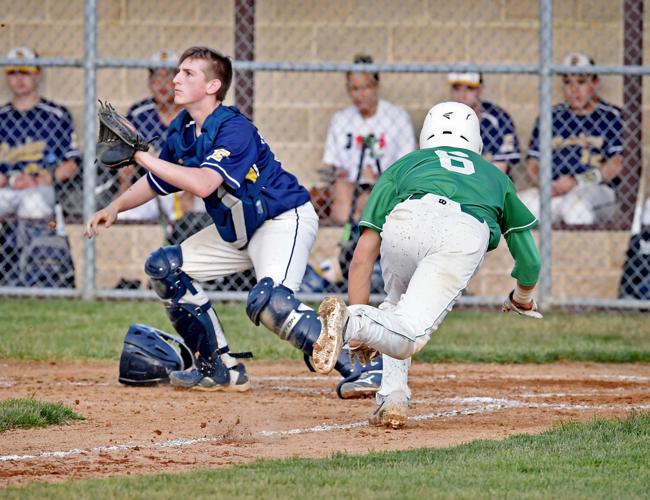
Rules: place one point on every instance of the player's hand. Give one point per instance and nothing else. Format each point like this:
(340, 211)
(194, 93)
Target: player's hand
(563, 185)
(108, 216)
(529, 310)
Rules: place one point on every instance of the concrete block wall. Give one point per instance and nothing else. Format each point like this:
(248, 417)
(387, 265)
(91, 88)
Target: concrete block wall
(586, 264)
(293, 110)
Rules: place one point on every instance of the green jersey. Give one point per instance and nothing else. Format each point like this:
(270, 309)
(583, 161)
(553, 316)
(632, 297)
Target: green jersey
(458, 174)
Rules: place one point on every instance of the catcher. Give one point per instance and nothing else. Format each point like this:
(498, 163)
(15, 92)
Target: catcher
(262, 216)
(433, 215)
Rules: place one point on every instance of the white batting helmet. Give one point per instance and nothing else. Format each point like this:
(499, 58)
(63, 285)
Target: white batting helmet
(451, 124)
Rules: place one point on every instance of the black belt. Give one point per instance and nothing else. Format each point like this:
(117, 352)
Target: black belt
(463, 208)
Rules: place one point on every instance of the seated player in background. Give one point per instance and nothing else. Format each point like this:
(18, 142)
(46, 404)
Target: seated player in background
(587, 152)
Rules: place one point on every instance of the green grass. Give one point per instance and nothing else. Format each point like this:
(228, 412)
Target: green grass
(27, 413)
(69, 329)
(597, 459)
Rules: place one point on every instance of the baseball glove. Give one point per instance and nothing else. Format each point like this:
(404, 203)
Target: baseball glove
(118, 138)
(364, 353)
(510, 306)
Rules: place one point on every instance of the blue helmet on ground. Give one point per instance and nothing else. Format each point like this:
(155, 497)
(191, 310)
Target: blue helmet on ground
(149, 355)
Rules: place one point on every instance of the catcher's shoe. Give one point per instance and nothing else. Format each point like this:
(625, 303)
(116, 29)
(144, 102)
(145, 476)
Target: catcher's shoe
(361, 384)
(236, 380)
(390, 411)
(333, 318)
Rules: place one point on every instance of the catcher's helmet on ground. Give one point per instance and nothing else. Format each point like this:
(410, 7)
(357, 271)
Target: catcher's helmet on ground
(148, 355)
(451, 124)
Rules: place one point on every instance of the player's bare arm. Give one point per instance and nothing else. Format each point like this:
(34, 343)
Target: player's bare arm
(140, 192)
(363, 261)
(199, 181)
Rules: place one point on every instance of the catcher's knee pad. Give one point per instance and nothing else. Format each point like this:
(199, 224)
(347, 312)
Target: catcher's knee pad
(167, 278)
(278, 309)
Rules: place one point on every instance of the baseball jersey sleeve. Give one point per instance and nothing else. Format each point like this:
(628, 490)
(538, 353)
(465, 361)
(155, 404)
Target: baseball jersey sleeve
(233, 153)
(516, 216)
(613, 140)
(156, 183)
(381, 202)
(533, 145)
(67, 145)
(521, 245)
(508, 144)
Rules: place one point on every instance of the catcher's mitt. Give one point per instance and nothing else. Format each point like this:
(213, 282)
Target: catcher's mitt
(118, 138)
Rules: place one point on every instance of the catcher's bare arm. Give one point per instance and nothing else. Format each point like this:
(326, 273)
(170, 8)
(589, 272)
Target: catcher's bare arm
(140, 192)
(199, 181)
(526, 271)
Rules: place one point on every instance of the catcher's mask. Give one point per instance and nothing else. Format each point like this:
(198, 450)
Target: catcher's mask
(149, 355)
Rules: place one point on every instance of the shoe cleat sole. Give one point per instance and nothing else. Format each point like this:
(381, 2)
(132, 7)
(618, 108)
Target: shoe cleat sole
(333, 314)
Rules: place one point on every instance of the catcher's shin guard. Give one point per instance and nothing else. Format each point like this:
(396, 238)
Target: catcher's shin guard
(192, 321)
(278, 309)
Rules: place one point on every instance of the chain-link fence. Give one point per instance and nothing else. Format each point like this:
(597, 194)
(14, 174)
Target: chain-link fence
(339, 91)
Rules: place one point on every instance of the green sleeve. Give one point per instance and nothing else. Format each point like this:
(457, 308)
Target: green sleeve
(381, 202)
(516, 216)
(527, 262)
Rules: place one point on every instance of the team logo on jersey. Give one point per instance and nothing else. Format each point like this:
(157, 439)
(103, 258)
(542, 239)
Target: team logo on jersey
(219, 154)
(253, 174)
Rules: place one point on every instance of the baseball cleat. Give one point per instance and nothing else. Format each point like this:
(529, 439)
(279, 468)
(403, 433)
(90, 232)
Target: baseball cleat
(192, 378)
(361, 384)
(390, 411)
(333, 318)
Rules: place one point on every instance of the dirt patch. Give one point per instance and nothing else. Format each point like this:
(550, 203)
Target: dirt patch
(290, 412)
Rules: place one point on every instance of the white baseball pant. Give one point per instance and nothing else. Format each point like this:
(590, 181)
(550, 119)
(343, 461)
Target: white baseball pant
(430, 250)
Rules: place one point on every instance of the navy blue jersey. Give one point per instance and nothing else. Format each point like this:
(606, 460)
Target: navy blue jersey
(231, 145)
(39, 138)
(581, 142)
(145, 118)
(500, 143)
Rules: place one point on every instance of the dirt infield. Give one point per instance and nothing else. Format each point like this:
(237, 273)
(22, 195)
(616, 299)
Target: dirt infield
(290, 412)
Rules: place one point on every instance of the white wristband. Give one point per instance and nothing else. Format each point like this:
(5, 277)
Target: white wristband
(592, 176)
(521, 295)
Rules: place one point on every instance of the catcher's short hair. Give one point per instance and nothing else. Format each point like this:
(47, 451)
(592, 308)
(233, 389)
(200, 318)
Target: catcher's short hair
(220, 66)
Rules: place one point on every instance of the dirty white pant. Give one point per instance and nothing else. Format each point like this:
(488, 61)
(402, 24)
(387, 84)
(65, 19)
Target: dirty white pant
(429, 253)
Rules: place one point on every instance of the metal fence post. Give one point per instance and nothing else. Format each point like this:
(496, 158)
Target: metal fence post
(545, 157)
(89, 174)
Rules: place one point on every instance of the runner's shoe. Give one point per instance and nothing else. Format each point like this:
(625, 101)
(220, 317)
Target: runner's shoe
(390, 411)
(333, 317)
